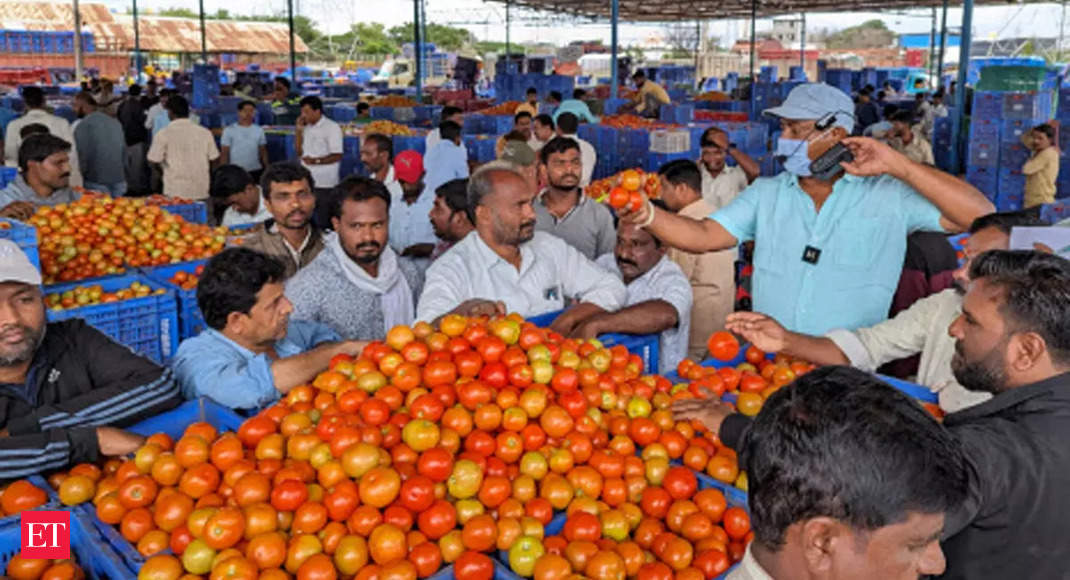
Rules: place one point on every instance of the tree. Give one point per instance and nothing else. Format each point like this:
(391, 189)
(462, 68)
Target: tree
(443, 36)
(869, 34)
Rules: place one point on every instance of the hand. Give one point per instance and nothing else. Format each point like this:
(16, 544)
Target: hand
(760, 330)
(587, 329)
(874, 158)
(636, 217)
(116, 442)
(711, 412)
(477, 307)
(353, 347)
(309, 160)
(301, 122)
(18, 210)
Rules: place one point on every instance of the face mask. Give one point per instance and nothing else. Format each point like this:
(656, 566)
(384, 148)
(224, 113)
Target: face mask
(794, 156)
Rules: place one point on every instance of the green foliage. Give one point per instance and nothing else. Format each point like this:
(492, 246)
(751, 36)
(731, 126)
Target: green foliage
(869, 34)
(443, 36)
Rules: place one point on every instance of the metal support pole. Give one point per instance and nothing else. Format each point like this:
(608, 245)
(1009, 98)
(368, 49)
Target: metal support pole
(204, 39)
(932, 45)
(77, 43)
(418, 43)
(614, 80)
(1062, 28)
(753, 42)
(293, 53)
(960, 87)
(802, 45)
(508, 43)
(137, 47)
(943, 45)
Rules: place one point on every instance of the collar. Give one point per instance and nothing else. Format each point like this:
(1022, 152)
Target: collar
(649, 274)
(845, 178)
(390, 179)
(271, 228)
(491, 258)
(1056, 387)
(582, 201)
(241, 349)
(750, 567)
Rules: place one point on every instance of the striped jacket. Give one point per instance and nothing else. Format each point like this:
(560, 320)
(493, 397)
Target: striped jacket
(79, 379)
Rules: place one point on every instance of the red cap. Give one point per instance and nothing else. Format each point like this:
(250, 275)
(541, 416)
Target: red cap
(408, 166)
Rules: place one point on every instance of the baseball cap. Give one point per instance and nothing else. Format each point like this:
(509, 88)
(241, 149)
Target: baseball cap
(15, 266)
(814, 101)
(408, 166)
(518, 153)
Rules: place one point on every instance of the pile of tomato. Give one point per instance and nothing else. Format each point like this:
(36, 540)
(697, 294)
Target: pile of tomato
(187, 280)
(384, 127)
(506, 108)
(438, 446)
(94, 294)
(19, 568)
(634, 122)
(628, 180)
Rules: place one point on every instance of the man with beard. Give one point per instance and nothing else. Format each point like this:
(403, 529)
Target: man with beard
(1012, 340)
(506, 266)
(721, 183)
(44, 177)
(64, 386)
(358, 285)
(289, 236)
(410, 234)
(922, 328)
(449, 215)
(659, 297)
(562, 209)
(252, 352)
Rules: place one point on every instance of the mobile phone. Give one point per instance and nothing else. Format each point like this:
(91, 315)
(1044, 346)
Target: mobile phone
(828, 165)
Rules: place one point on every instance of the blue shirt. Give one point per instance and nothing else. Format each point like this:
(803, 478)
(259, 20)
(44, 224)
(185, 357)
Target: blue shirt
(212, 365)
(861, 232)
(576, 107)
(445, 161)
(244, 144)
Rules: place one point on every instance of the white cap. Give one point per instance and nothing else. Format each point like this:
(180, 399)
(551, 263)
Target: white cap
(815, 101)
(15, 266)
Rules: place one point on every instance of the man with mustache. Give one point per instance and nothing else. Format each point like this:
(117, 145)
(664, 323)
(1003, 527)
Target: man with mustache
(359, 286)
(44, 177)
(289, 236)
(253, 351)
(922, 328)
(506, 265)
(1012, 341)
(64, 386)
(562, 209)
(659, 296)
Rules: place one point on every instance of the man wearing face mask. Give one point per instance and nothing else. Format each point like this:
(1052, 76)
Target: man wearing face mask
(828, 247)
(922, 328)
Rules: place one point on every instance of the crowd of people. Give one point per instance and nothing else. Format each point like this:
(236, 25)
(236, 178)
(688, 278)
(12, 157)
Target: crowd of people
(846, 475)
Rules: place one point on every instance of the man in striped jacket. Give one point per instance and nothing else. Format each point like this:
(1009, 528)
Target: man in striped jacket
(65, 388)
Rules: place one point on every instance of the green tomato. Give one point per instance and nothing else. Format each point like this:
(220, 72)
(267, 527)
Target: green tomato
(465, 480)
(197, 559)
(523, 555)
(639, 407)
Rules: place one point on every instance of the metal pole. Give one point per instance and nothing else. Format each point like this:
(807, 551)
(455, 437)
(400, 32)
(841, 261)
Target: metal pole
(137, 47)
(932, 45)
(1062, 27)
(204, 39)
(508, 44)
(614, 80)
(77, 43)
(943, 45)
(753, 41)
(293, 53)
(419, 47)
(960, 87)
(698, 49)
(802, 45)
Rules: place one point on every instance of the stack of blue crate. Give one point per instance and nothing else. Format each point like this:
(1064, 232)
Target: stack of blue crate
(767, 74)
(995, 152)
(205, 86)
(797, 73)
(1062, 114)
(943, 133)
(839, 78)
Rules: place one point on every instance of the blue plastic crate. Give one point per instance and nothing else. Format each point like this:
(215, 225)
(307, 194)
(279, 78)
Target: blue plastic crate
(1013, 154)
(983, 154)
(190, 319)
(1012, 130)
(148, 325)
(1011, 181)
(985, 179)
(475, 124)
(986, 130)
(988, 104)
(1051, 213)
(381, 113)
(611, 106)
(485, 150)
(1031, 105)
(499, 124)
(1008, 201)
(88, 549)
(194, 213)
(24, 236)
(409, 142)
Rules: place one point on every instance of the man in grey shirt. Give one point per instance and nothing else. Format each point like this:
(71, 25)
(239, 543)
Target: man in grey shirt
(101, 147)
(358, 285)
(563, 210)
(44, 177)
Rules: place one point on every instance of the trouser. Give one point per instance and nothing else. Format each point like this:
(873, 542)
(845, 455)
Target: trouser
(651, 106)
(112, 189)
(135, 167)
(322, 216)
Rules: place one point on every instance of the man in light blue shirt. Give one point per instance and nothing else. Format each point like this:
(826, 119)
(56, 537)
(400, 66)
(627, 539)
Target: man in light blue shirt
(251, 353)
(244, 143)
(575, 105)
(829, 247)
(447, 160)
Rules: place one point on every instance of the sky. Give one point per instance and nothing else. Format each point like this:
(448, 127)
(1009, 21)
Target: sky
(485, 19)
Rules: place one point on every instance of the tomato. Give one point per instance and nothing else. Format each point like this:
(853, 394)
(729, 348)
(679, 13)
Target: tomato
(417, 493)
(379, 487)
(300, 550)
(655, 502)
(655, 571)
(171, 512)
(309, 518)
(251, 488)
(439, 373)
(351, 555)
(469, 363)
(438, 519)
(480, 533)
(473, 566)
(736, 523)
(582, 526)
(159, 567)
(19, 568)
(556, 422)
(605, 564)
(723, 345)
(199, 480)
(524, 553)
(565, 380)
(75, 489)
(288, 495)
(680, 482)
(224, 528)
(427, 558)
(495, 374)
(387, 544)
(421, 434)
(712, 563)
(465, 479)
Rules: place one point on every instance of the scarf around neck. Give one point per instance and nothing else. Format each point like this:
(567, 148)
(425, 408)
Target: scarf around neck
(390, 285)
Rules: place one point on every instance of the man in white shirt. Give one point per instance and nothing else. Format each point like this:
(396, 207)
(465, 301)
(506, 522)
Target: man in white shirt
(448, 160)
(434, 136)
(411, 234)
(506, 266)
(235, 189)
(377, 156)
(567, 125)
(721, 183)
(922, 328)
(659, 297)
(37, 112)
(186, 153)
(244, 143)
(542, 130)
(319, 147)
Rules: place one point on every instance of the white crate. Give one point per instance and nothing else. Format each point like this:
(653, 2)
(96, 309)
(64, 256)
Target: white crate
(670, 141)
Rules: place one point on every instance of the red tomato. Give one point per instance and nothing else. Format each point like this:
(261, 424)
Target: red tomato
(473, 566)
(723, 345)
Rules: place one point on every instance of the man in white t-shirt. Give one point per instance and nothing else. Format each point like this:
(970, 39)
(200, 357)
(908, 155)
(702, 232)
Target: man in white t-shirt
(233, 187)
(244, 143)
(567, 125)
(319, 147)
(434, 136)
(721, 183)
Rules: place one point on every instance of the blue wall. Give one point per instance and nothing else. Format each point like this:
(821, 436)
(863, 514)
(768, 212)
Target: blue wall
(922, 40)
